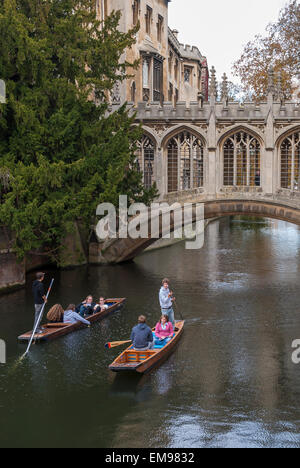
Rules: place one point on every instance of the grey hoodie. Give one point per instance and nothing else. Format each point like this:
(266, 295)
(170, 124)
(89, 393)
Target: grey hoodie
(72, 317)
(164, 299)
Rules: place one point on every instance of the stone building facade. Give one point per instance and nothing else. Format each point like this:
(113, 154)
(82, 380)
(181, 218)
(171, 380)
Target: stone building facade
(168, 71)
(208, 149)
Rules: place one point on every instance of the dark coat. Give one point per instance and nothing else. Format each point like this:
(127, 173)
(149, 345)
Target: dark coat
(141, 336)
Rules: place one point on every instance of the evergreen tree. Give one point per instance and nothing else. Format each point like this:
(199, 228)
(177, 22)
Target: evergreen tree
(61, 152)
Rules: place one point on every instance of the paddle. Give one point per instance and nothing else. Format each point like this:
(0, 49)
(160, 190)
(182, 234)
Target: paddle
(114, 344)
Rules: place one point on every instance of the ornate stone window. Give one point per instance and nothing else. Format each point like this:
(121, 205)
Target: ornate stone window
(290, 162)
(242, 160)
(146, 160)
(185, 162)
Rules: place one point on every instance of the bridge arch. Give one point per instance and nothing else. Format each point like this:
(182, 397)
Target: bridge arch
(122, 250)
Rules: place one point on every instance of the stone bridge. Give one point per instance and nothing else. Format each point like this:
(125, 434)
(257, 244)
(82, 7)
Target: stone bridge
(283, 207)
(235, 158)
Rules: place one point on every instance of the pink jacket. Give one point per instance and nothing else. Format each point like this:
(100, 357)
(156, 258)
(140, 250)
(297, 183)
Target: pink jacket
(160, 333)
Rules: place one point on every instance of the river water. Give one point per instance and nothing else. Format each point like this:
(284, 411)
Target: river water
(230, 383)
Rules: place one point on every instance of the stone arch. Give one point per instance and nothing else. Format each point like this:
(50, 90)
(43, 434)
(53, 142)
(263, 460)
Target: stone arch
(255, 132)
(171, 132)
(151, 134)
(285, 133)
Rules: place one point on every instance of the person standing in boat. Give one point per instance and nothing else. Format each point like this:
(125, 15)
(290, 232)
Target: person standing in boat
(39, 299)
(142, 336)
(166, 299)
(70, 316)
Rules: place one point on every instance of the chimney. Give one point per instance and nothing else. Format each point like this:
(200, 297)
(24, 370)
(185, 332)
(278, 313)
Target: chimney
(175, 32)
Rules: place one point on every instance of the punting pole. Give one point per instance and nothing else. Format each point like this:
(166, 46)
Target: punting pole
(178, 310)
(38, 321)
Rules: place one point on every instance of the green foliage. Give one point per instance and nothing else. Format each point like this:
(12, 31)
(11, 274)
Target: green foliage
(61, 153)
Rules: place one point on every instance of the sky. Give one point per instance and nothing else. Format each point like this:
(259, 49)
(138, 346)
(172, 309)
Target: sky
(221, 28)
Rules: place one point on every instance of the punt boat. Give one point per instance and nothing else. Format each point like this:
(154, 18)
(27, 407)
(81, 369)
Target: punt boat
(52, 331)
(144, 361)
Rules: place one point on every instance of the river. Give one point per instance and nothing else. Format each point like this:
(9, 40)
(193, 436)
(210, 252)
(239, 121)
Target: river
(230, 383)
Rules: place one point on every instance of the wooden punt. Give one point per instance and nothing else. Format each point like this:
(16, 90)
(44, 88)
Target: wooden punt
(143, 361)
(53, 331)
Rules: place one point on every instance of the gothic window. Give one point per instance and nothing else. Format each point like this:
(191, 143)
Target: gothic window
(160, 23)
(290, 162)
(185, 162)
(146, 160)
(148, 20)
(241, 160)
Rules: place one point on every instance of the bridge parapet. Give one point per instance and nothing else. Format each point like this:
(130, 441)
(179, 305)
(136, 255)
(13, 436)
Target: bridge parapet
(232, 110)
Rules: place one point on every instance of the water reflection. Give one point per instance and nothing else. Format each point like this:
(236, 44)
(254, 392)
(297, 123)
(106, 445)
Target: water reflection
(229, 383)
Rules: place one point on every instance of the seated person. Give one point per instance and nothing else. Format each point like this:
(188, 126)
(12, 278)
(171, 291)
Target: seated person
(70, 316)
(56, 314)
(101, 307)
(86, 307)
(164, 331)
(142, 336)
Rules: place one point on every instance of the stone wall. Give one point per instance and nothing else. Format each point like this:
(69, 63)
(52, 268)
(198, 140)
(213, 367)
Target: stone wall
(12, 273)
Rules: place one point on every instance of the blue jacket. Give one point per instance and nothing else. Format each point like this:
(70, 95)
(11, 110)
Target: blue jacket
(141, 336)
